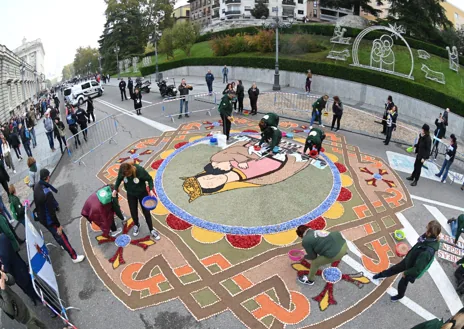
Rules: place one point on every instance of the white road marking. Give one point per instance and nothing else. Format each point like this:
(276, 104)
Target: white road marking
(157, 125)
(439, 217)
(439, 276)
(406, 301)
(438, 203)
(147, 102)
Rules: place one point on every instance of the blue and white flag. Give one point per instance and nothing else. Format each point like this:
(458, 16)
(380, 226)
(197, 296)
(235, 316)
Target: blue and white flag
(39, 260)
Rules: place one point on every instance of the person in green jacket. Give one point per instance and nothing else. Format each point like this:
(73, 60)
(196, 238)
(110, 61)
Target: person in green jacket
(135, 180)
(9, 232)
(15, 206)
(417, 261)
(315, 138)
(269, 120)
(225, 110)
(13, 306)
(322, 247)
(318, 106)
(456, 322)
(457, 227)
(272, 136)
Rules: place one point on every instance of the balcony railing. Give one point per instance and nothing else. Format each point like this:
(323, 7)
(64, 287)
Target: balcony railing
(232, 1)
(232, 12)
(288, 3)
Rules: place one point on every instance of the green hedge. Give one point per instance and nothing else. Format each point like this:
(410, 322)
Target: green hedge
(351, 73)
(327, 30)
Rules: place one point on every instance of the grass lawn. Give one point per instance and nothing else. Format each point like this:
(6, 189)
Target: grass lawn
(454, 81)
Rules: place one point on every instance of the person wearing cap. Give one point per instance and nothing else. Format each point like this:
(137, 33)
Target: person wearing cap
(46, 208)
(270, 119)
(272, 136)
(322, 248)
(423, 147)
(315, 138)
(225, 110)
(136, 179)
(100, 209)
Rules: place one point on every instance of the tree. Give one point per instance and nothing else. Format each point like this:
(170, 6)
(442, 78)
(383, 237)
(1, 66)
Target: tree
(150, 9)
(357, 5)
(260, 10)
(184, 36)
(166, 44)
(83, 57)
(421, 18)
(68, 71)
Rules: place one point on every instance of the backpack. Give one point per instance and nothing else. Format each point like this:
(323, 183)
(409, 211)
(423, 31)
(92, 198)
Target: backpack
(431, 251)
(48, 123)
(70, 120)
(27, 133)
(104, 195)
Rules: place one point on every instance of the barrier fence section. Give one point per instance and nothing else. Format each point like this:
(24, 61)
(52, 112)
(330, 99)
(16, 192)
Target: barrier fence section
(41, 271)
(91, 138)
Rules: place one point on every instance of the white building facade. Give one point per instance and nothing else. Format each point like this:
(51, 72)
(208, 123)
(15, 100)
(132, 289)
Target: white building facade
(20, 83)
(241, 9)
(32, 52)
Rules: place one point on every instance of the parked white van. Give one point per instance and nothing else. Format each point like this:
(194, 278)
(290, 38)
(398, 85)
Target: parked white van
(77, 94)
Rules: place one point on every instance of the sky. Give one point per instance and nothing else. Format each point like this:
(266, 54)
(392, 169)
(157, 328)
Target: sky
(62, 25)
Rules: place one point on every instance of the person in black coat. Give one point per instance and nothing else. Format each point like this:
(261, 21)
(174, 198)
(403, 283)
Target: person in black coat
(388, 106)
(439, 133)
(449, 158)
(25, 138)
(90, 109)
(337, 109)
(82, 117)
(15, 143)
(4, 178)
(130, 86)
(209, 77)
(423, 147)
(71, 120)
(392, 116)
(13, 264)
(122, 89)
(253, 93)
(240, 96)
(137, 97)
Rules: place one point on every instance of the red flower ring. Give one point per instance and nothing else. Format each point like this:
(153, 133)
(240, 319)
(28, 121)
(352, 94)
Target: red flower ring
(176, 223)
(179, 145)
(249, 131)
(317, 224)
(341, 167)
(345, 195)
(156, 164)
(243, 241)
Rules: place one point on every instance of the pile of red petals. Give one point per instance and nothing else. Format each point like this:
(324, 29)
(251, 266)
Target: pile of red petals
(243, 241)
(345, 195)
(176, 223)
(317, 224)
(341, 167)
(179, 145)
(156, 164)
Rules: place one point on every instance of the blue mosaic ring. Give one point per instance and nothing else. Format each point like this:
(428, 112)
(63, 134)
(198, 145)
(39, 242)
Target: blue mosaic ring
(240, 230)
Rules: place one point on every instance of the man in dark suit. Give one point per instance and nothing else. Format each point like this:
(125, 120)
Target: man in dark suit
(130, 86)
(122, 89)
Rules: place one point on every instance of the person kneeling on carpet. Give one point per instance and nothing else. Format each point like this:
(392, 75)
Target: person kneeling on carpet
(100, 209)
(269, 120)
(315, 138)
(417, 261)
(272, 136)
(322, 247)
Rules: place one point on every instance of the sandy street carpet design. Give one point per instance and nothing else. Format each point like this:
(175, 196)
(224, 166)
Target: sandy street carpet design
(227, 217)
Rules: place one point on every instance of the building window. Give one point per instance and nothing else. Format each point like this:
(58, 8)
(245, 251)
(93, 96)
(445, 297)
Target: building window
(300, 1)
(314, 12)
(187, 13)
(315, 4)
(174, 15)
(300, 12)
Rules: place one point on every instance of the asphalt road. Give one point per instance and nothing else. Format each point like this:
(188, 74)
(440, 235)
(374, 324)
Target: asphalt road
(81, 288)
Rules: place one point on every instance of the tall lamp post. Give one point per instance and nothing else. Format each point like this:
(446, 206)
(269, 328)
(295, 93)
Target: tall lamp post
(100, 63)
(116, 51)
(155, 37)
(90, 67)
(277, 23)
(22, 69)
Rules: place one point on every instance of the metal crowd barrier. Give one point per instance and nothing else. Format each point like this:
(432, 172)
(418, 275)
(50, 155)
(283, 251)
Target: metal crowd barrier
(98, 133)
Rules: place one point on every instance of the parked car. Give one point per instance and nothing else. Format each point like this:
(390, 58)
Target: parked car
(77, 94)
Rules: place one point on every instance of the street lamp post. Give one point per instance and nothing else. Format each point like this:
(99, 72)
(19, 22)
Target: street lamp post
(116, 51)
(156, 36)
(100, 63)
(276, 23)
(90, 67)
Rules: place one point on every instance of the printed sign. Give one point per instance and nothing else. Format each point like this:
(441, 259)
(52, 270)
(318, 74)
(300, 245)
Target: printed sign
(448, 250)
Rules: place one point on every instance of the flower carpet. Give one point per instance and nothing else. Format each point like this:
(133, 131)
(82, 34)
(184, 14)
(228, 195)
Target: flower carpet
(227, 217)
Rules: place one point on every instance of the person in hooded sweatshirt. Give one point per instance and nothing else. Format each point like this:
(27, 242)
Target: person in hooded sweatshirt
(15, 143)
(71, 120)
(25, 138)
(417, 261)
(82, 117)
